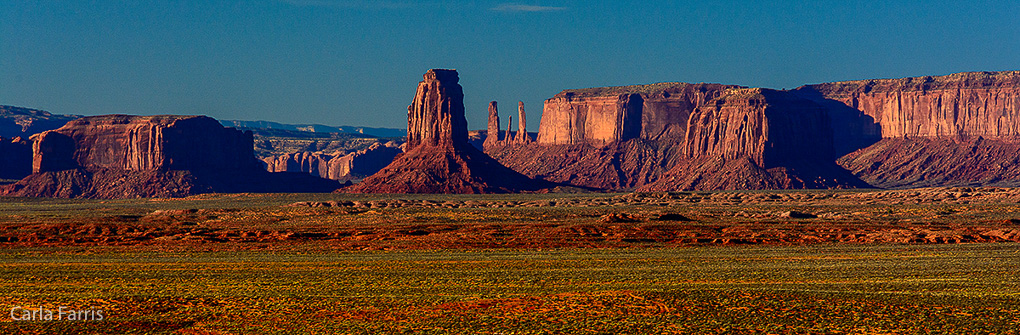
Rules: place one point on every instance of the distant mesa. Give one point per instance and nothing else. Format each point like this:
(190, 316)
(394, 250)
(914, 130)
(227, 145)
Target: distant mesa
(25, 122)
(123, 156)
(337, 166)
(438, 157)
(315, 128)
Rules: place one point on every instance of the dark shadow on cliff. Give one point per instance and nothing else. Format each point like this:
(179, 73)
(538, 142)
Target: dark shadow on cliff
(851, 128)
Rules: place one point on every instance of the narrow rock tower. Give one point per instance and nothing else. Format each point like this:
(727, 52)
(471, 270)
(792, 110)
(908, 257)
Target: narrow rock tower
(438, 158)
(492, 134)
(522, 124)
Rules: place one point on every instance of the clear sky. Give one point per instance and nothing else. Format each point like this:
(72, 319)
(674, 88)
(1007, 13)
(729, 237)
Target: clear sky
(357, 62)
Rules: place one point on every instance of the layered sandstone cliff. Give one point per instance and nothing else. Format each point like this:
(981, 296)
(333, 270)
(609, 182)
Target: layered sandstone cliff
(756, 139)
(971, 104)
(958, 129)
(122, 156)
(438, 158)
(600, 116)
(336, 166)
(696, 136)
(134, 143)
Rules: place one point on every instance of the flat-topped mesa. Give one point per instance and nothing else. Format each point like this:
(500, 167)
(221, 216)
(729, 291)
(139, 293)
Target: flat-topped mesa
(969, 104)
(436, 116)
(124, 156)
(604, 115)
(769, 127)
(135, 143)
(492, 132)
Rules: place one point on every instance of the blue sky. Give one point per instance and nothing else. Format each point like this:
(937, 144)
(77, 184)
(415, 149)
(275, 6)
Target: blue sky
(356, 62)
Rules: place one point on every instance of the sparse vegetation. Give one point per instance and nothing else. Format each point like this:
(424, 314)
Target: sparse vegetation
(680, 262)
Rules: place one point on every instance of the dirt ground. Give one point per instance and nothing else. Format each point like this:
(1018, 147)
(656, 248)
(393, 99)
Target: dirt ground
(389, 222)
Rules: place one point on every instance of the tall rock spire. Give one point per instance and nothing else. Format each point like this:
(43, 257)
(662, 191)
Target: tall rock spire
(492, 134)
(522, 124)
(438, 158)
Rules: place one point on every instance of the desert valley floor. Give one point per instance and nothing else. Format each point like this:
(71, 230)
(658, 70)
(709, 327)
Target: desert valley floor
(938, 260)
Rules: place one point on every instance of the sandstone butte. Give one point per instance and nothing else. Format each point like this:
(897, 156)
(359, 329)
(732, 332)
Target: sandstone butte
(438, 157)
(122, 156)
(679, 136)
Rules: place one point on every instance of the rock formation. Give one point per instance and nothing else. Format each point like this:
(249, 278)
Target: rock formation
(757, 139)
(928, 126)
(337, 166)
(600, 116)
(15, 158)
(122, 156)
(972, 104)
(522, 124)
(436, 116)
(492, 137)
(438, 158)
(509, 130)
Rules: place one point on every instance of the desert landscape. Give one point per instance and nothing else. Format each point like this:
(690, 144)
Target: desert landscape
(757, 229)
(562, 168)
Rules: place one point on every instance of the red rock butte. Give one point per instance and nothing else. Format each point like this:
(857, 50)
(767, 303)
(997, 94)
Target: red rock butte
(438, 157)
(124, 156)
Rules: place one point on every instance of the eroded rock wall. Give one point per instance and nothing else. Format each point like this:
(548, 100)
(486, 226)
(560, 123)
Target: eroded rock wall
(971, 104)
(134, 143)
(600, 116)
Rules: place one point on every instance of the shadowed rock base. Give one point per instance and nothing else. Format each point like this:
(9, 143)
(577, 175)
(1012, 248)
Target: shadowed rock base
(446, 170)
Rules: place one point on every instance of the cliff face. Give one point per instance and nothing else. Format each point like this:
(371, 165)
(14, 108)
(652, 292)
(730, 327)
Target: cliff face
(756, 139)
(436, 116)
(958, 129)
(600, 116)
(438, 158)
(742, 139)
(136, 143)
(985, 104)
(337, 166)
(769, 127)
(121, 156)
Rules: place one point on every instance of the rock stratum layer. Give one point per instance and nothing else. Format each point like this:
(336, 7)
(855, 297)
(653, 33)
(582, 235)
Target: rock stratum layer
(438, 157)
(122, 156)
